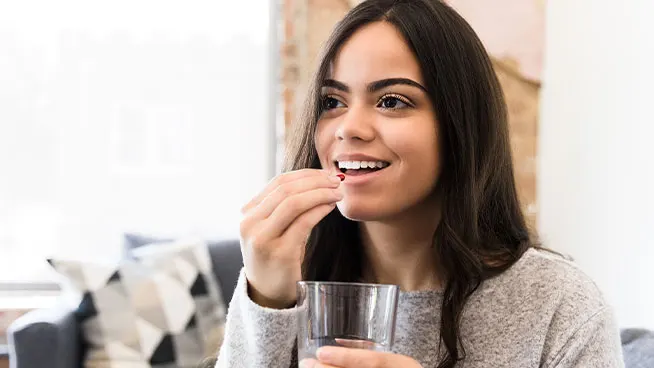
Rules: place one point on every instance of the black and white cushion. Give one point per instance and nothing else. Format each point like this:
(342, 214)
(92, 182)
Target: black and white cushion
(163, 309)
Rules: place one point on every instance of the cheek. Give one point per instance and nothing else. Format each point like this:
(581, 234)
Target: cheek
(416, 145)
(419, 156)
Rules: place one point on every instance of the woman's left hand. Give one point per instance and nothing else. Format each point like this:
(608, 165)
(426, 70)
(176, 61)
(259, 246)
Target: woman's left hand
(339, 357)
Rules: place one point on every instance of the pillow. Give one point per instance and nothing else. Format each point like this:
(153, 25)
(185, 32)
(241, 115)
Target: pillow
(131, 241)
(162, 310)
(225, 256)
(171, 256)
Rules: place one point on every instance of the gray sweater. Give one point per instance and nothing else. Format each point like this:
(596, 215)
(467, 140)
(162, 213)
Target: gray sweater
(541, 312)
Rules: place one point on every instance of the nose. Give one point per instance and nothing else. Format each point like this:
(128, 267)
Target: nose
(356, 124)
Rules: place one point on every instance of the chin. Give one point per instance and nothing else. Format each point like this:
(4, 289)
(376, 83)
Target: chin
(361, 211)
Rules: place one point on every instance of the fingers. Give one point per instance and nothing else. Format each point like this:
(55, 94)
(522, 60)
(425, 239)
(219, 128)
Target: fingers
(287, 190)
(312, 363)
(338, 357)
(299, 230)
(281, 179)
(293, 207)
(360, 358)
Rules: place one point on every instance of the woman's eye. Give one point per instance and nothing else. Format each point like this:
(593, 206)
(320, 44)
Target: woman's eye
(329, 103)
(392, 103)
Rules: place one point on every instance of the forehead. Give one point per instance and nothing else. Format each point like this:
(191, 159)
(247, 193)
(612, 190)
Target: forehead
(376, 51)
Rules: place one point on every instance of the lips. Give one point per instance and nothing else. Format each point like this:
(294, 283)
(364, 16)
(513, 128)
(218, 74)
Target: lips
(360, 166)
(344, 166)
(358, 172)
(361, 175)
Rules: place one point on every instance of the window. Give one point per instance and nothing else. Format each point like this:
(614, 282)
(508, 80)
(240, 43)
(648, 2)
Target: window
(143, 116)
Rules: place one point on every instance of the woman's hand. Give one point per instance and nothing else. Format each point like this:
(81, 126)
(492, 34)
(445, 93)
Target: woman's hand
(339, 357)
(274, 230)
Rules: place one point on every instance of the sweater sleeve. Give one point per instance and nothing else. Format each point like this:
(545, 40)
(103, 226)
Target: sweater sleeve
(595, 343)
(257, 337)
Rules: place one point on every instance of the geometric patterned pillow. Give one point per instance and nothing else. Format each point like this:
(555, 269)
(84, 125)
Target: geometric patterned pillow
(163, 311)
(173, 256)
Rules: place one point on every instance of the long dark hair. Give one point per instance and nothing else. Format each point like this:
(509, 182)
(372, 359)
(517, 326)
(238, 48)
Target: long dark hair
(482, 231)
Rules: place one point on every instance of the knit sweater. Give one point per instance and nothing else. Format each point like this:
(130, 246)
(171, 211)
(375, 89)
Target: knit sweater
(541, 312)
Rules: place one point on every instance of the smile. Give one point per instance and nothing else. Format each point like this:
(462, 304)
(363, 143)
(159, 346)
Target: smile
(358, 168)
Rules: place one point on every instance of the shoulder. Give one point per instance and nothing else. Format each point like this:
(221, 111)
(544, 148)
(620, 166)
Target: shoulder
(550, 283)
(551, 270)
(577, 323)
(546, 306)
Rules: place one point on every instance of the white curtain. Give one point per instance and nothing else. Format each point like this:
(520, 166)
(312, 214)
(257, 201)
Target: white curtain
(145, 116)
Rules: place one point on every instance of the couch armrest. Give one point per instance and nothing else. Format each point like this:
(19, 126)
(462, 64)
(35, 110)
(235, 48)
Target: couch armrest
(45, 338)
(637, 347)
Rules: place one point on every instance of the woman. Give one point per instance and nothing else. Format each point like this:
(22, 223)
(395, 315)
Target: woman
(406, 107)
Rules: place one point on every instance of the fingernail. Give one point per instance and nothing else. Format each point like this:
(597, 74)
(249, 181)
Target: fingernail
(341, 176)
(335, 179)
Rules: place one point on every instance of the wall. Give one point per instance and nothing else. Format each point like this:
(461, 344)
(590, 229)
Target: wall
(595, 162)
(510, 30)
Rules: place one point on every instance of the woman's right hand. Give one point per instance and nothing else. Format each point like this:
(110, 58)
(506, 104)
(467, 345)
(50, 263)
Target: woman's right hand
(274, 230)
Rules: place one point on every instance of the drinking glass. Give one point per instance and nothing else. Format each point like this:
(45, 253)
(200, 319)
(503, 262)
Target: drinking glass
(353, 315)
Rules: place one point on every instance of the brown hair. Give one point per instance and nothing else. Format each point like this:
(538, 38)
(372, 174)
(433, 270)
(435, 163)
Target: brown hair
(482, 231)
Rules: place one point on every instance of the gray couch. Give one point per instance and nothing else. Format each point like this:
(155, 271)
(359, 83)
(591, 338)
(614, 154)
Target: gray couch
(50, 338)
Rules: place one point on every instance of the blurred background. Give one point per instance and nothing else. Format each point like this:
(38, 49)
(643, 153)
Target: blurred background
(162, 118)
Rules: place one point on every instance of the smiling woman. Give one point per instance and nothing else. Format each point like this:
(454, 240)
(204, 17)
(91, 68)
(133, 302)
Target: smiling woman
(407, 86)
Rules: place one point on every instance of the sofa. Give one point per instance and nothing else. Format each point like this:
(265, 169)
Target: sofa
(51, 337)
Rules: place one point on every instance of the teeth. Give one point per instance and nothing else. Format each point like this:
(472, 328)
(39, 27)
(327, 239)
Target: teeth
(355, 165)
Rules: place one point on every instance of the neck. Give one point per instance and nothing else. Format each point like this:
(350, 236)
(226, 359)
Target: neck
(400, 250)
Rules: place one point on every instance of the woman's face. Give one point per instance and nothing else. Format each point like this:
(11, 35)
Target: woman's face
(376, 112)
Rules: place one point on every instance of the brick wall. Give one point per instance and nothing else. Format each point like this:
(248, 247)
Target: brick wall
(307, 24)
(522, 101)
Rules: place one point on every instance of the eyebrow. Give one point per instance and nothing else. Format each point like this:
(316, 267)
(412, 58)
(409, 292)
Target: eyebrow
(376, 85)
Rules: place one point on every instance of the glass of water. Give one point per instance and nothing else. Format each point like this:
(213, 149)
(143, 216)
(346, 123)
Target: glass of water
(353, 315)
